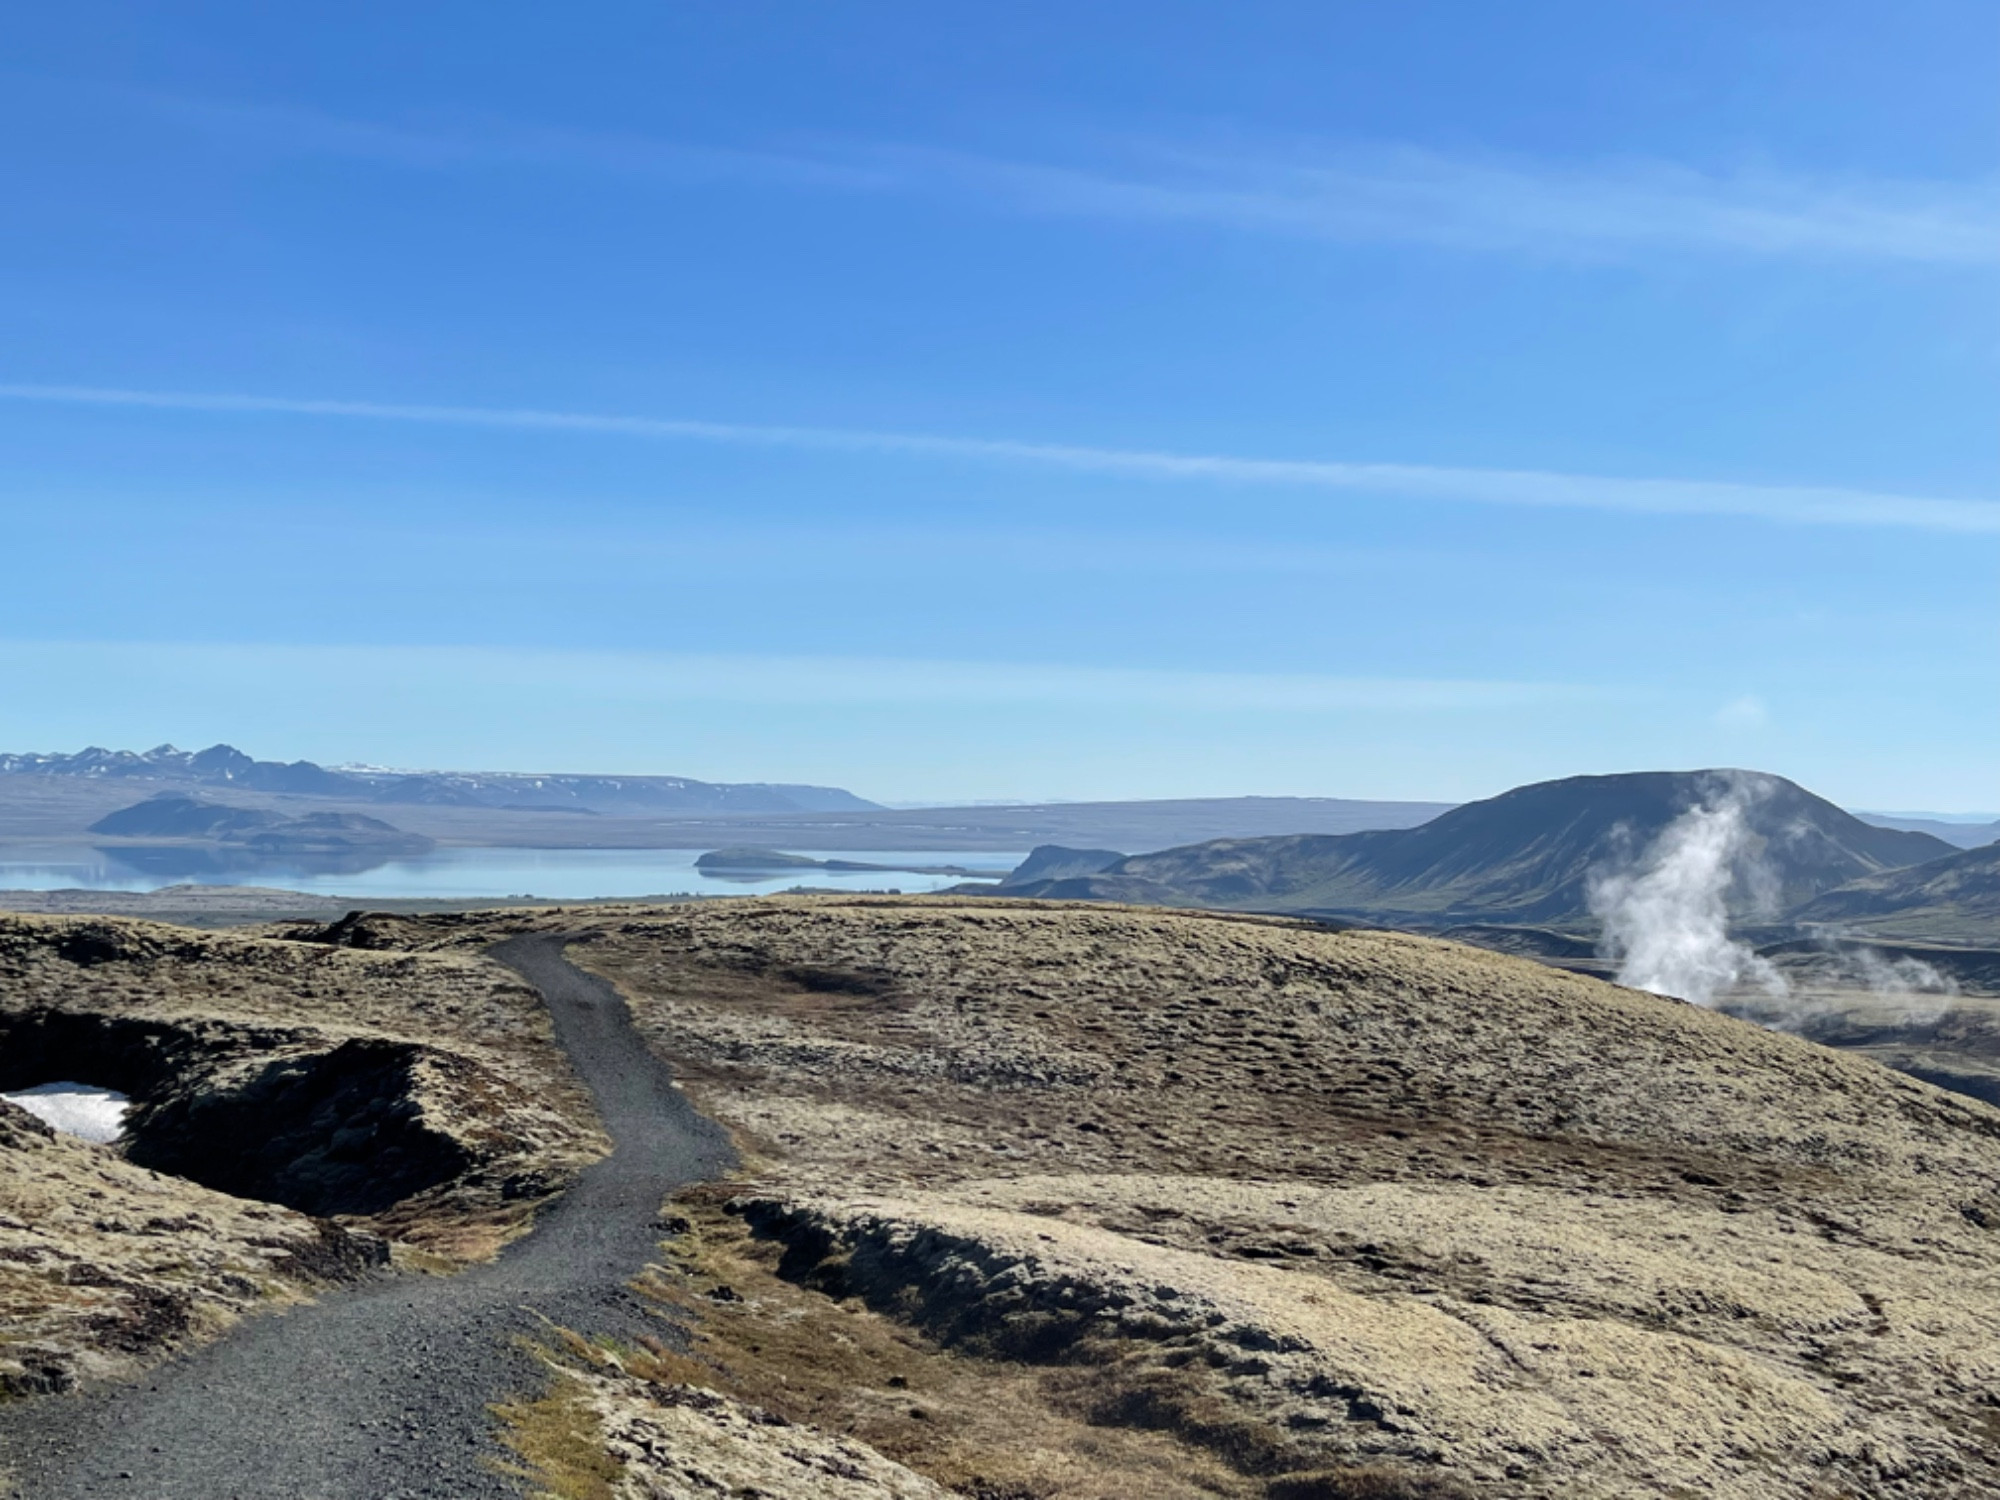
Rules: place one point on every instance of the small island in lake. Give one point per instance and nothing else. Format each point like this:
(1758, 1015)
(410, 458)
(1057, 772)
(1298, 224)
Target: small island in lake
(179, 820)
(748, 863)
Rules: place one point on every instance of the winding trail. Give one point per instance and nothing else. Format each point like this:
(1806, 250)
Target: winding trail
(382, 1390)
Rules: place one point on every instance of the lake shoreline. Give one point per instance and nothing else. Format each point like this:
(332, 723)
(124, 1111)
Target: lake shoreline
(76, 878)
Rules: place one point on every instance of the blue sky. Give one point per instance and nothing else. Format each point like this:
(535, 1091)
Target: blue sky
(1041, 400)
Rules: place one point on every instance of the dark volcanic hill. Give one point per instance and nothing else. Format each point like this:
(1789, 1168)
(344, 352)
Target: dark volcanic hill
(171, 817)
(226, 766)
(1528, 855)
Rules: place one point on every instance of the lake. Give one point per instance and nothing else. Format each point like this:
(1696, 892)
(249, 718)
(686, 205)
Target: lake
(455, 874)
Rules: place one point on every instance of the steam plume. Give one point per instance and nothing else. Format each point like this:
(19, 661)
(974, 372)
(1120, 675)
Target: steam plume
(1900, 978)
(1666, 921)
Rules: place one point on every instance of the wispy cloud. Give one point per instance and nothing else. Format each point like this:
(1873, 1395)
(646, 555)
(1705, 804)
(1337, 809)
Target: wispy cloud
(1608, 208)
(1599, 210)
(1789, 504)
(667, 678)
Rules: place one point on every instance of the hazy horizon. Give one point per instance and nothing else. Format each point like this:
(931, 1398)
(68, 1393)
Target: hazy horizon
(900, 804)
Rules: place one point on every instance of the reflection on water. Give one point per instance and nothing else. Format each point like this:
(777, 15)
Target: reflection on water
(460, 874)
(184, 864)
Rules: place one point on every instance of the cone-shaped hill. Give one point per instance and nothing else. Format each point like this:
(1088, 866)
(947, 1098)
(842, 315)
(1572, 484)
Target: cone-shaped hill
(1528, 855)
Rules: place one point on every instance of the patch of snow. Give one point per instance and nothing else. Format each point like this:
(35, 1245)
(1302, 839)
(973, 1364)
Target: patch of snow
(77, 1109)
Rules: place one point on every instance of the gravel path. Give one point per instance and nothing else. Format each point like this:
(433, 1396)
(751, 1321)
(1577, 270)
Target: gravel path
(382, 1390)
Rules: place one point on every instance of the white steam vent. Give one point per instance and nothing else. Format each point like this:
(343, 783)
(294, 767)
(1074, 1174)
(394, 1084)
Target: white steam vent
(1666, 920)
(77, 1109)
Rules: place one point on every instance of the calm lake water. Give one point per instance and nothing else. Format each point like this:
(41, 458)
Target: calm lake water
(452, 874)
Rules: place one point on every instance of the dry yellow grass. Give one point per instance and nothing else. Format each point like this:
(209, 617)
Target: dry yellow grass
(1100, 1202)
(561, 1442)
(1393, 1204)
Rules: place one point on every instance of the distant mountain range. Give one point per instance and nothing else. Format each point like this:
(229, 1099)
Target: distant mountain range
(1964, 835)
(1526, 856)
(222, 766)
(1127, 826)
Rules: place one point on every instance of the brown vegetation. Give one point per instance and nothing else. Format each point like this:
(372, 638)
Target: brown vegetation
(1047, 1200)
(1335, 1205)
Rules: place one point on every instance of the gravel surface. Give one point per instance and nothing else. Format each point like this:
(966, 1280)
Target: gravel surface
(383, 1391)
